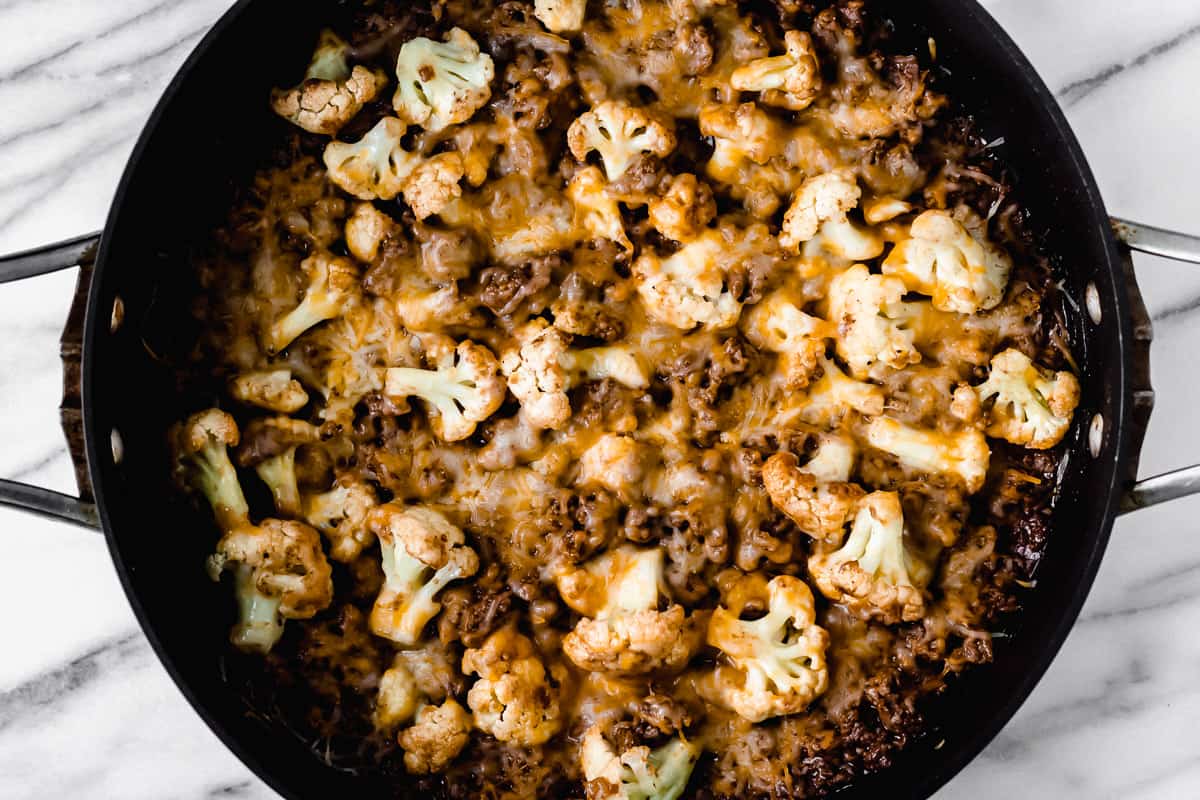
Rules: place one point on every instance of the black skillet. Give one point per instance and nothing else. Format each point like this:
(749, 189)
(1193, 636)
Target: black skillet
(204, 138)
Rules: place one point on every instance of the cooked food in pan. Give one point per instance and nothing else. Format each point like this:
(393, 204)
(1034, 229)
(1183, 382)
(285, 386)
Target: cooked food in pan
(630, 399)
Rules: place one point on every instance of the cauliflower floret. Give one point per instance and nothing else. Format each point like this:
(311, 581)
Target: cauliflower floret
(777, 324)
(422, 553)
(833, 460)
(275, 390)
(835, 393)
(269, 445)
(623, 631)
(341, 514)
(200, 462)
(438, 736)
(513, 699)
(820, 507)
(1033, 406)
(619, 133)
(618, 463)
(596, 211)
(961, 272)
(821, 198)
(882, 209)
(376, 166)
(433, 184)
(366, 230)
(331, 93)
(280, 571)
(964, 454)
(464, 390)
(689, 287)
(397, 699)
(560, 16)
(442, 84)
(740, 134)
(778, 660)
(638, 773)
(791, 81)
(874, 572)
(332, 286)
(684, 210)
(869, 314)
(542, 369)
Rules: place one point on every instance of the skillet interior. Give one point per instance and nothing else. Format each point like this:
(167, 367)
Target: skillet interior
(204, 139)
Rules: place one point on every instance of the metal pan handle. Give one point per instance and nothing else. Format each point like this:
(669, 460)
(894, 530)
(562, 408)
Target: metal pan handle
(1180, 247)
(81, 252)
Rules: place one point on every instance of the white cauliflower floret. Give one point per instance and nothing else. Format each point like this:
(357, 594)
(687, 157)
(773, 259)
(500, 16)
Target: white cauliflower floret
(689, 287)
(560, 16)
(442, 84)
(513, 699)
(964, 454)
(341, 515)
(332, 287)
(436, 738)
(461, 392)
(777, 324)
(869, 314)
(376, 166)
(331, 93)
(835, 392)
(433, 184)
(270, 447)
(740, 134)
(874, 572)
(422, 553)
(684, 210)
(961, 272)
(778, 660)
(821, 198)
(596, 211)
(622, 630)
(791, 81)
(638, 773)
(397, 700)
(366, 230)
(275, 390)
(820, 503)
(833, 460)
(542, 369)
(200, 463)
(1032, 406)
(619, 133)
(616, 462)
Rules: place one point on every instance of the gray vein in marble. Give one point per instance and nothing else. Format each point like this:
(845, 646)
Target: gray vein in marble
(1178, 309)
(231, 790)
(47, 689)
(188, 39)
(31, 468)
(1077, 91)
(54, 177)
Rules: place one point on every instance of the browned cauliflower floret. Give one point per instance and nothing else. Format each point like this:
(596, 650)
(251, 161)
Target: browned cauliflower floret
(684, 210)
(1031, 406)
(619, 132)
(740, 134)
(964, 454)
(874, 572)
(269, 445)
(433, 183)
(871, 319)
(436, 738)
(422, 553)
(274, 389)
(560, 16)
(463, 390)
(941, 258)
(331, 93)
(637, 773)
(366, 230)
(818, 506)
(777, 324)
(442, 83)
(341, 514)
(200, 463)
(616, 462)
(792, 81)
(820, 199)
(513, 699)
(622, 630)
(332, 286)
(596, 211)
(778, 660)
(882, 209)
(397, 700)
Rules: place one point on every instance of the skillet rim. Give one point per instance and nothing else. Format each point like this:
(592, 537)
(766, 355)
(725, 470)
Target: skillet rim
(958, 754)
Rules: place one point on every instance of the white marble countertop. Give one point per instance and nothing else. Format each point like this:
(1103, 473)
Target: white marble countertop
(85, 708)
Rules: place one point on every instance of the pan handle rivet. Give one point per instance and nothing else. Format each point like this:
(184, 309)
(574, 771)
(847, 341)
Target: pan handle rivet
(118, 315)
(1096, 435)
(1091, 298)
(118, 446)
